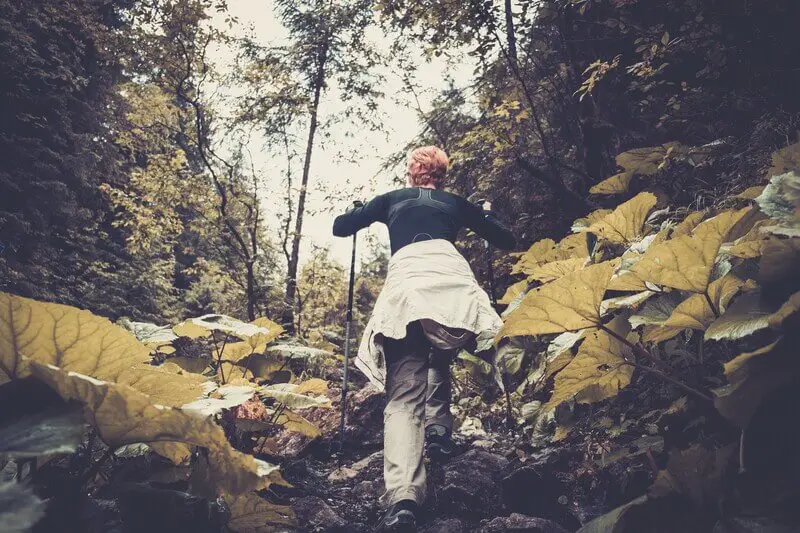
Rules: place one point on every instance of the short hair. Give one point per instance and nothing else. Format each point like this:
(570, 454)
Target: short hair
(427, 166)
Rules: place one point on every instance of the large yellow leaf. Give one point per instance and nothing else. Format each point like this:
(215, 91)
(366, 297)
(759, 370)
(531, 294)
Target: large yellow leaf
(534, 256)
(632, 301)
(623, 279)
(546, 251)
(657, 334)
(294, 422)
(616, 184)
(196, 365)
(789, 308)
(64, 336)
(736, 363)
(513, 291)
(626, 223)
(784, 160)
(313, 386)
(696, 313)
(728, 225)
(273, 331)
(753, 376)
(751, 193)
(236, 351)
(648, 160)
(162, 386)
(260, 331)
(123, 415)
(749, 314)
(288, 394)
(575, 245)
(556, 269)
(588, 220)
(750, 245)
(567, 304)
(250, 513)
(686, 226)
(191, 330)
(598, 371)
(780, 261)
(686, 262)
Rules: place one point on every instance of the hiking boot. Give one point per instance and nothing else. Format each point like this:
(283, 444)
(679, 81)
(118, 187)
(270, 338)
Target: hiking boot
(439, 443)
(402, 517)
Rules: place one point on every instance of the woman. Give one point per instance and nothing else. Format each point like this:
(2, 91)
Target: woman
(430, 306)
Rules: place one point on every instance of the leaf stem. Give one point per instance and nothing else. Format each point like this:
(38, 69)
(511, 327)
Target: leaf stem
(674, 381)
(638, 350)
(247, 366)
(711, 304)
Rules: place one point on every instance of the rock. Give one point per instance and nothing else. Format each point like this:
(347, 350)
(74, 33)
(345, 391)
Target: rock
(365, 416)
(451, 525)
(471, 484)
(526, 491)
(521, 523)
(367, 490)
(483, 443)
(366, 461)
(342, 474)
(316, 516)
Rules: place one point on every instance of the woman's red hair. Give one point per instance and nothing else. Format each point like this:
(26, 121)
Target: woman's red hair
(427, 166)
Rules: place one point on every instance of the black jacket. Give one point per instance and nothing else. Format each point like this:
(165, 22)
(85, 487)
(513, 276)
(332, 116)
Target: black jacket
(413, 214)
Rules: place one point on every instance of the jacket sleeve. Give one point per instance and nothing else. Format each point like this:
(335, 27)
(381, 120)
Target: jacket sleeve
(361, 217)
(489, 226)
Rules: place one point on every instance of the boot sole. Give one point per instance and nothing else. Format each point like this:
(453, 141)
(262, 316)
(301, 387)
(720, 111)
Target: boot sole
(402, 522)
(438, 454)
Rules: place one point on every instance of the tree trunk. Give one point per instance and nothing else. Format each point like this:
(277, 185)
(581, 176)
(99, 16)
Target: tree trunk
(251, 291)
(291, 278)
(511, 37)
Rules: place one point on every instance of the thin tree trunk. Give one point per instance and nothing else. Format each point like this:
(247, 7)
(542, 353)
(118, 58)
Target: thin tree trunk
(510, 36)
(291, 281)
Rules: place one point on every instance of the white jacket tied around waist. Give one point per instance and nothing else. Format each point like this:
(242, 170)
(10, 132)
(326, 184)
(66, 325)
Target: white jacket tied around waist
(432, 282)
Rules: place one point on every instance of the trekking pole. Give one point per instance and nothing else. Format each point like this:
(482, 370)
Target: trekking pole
(504, 373)
(347, 330)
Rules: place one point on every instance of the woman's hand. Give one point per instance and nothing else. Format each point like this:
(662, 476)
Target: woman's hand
(355, 205)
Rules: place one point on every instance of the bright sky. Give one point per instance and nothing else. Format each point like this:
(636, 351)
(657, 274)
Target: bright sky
(400, 125)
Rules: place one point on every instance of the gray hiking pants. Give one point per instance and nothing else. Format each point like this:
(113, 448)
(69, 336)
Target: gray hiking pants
(418, 395)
